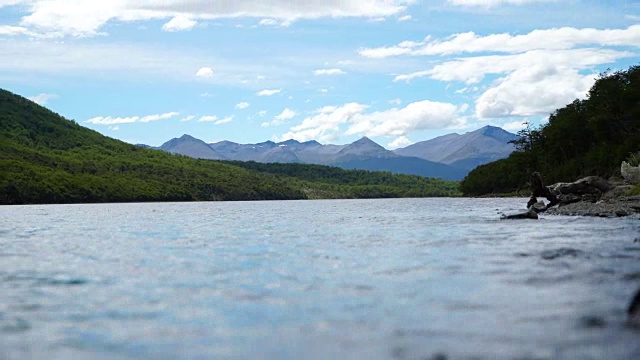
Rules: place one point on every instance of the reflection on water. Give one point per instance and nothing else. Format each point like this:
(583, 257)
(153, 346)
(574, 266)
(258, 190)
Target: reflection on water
(405, 279)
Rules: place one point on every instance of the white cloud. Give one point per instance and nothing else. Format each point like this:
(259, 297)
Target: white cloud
(268, 22)
(273, 22)
(42, 99)
(108, 120)
(474, 69)
(262, 113)
(286, 114)
(226, 120)
(324, 125)
(490, 3)
(208, 118)
(72, 17)
(405, 18)
(86, 18)
(323, 91)
(179, 23)
(414, 75)
(187, 118)
(403, 121)
(534, 82)
(383, 52)
(8, 30)
(399, 142)
(150, 118)
(550, 39)
(242, 105)
(215, 120)
(395, 101)
(329, 72)
(268, 92)
(532, 91)
(205, 72)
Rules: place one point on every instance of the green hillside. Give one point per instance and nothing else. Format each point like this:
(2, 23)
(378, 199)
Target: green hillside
(47, 159)
(587, 137)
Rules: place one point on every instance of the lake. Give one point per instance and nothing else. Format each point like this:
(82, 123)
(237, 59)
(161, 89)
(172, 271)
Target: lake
(360, 279)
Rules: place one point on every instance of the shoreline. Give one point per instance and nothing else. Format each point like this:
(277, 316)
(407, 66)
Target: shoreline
(607, 207)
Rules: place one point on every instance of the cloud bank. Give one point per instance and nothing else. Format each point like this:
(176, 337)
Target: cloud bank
(539, 71)
(88, 18)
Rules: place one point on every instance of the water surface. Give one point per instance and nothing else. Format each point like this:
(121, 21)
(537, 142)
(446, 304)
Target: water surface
(376, 279)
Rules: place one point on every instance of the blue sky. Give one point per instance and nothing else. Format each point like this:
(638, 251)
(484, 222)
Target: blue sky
(398, 71)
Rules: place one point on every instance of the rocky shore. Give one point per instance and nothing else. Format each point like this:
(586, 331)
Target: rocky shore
(590, 196)
(605, 207)
(597, 197)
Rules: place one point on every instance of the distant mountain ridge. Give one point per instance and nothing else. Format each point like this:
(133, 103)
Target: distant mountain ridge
(448, 157)
(192, 147)
(465, 151)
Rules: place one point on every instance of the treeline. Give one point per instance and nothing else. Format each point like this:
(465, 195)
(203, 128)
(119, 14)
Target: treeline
(358, 183)
(587, 137)
(47, 159)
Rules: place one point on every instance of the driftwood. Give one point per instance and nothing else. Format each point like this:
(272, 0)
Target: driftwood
(538, 189)
(589, 188)
(529, 214)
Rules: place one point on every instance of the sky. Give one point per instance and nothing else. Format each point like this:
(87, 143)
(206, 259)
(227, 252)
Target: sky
(397, 71)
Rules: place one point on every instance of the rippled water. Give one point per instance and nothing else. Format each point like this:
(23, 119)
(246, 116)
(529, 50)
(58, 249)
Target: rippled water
(375, 279)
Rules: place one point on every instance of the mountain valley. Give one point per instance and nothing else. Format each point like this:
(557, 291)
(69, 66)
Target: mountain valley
(448, 157)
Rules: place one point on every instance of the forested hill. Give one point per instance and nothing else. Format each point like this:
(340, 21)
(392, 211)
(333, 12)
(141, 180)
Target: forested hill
(47, 159)
(587, 137)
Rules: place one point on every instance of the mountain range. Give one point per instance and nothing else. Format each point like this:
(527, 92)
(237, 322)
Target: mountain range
(449, 157)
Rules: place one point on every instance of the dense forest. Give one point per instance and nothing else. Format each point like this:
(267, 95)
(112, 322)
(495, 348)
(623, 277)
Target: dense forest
(47, 159)
(587, 137)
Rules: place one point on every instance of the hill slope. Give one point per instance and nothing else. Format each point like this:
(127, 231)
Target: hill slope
(48, 159)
